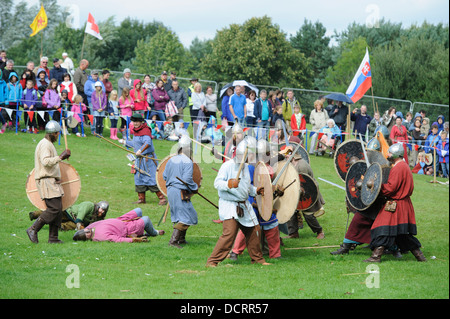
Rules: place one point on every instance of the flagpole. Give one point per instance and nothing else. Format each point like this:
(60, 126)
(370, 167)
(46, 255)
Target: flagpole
(42, 41)
(82, 47)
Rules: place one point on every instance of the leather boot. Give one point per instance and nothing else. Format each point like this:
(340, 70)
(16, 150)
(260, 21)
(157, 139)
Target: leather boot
(182, 239)
(162, 198)
(418, 254)
(376, 255)
(35, 214)
(344, 249)
(141, 199)
(53, 234)
(34, 229)
(175, 238)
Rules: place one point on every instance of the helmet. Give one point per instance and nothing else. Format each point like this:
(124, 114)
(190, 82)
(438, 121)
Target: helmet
(237, 129)
(374, 144)
(384, 130)
(279, 124)
(251, 141)
(80, 235)
(262, 147)
(103, 205)
(396, 150)
(52, 127)
(184, 142)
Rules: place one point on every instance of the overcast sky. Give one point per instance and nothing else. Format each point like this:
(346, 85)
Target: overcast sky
(202, 18)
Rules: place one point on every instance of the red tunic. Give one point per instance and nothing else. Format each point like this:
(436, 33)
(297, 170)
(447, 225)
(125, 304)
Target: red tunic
(399, 187)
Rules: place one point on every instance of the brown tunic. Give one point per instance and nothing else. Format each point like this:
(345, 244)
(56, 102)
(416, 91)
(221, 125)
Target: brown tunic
(46, 170)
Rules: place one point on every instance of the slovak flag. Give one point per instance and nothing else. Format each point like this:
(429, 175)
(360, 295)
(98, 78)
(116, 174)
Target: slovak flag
(362, 80)
(92, 27)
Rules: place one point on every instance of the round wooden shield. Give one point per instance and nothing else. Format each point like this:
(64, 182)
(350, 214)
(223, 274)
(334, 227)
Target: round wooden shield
(377, 157)
(373, 179)
(301, 150)
(161, 183)
(287, 204)
(261, 178)
(346, 154)
(355, 176)
(70, 182)
(311, 192)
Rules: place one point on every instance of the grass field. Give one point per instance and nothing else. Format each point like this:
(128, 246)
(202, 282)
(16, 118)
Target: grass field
(156, 271)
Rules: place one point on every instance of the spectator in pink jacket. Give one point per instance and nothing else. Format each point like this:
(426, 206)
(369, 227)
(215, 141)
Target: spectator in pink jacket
(139, 96)
(78, 108)
(126, 106)
(127, 228)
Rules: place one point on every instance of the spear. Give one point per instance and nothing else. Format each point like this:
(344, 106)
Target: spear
(123, 148)
(202, 196)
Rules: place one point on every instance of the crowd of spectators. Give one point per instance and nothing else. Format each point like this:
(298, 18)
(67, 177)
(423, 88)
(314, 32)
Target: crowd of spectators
(92, 97)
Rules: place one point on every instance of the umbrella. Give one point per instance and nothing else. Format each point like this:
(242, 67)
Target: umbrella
(339, 97)
(248, 86)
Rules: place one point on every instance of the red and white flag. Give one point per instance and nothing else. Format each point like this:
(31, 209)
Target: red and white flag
(92, 27)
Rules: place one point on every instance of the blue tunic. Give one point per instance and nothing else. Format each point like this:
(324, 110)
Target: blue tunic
(180, 211)
(144, 164)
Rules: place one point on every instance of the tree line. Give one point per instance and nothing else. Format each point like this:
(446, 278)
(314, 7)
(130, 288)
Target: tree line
(407, 62)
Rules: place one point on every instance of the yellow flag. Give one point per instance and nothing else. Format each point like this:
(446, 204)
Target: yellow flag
(39, 22)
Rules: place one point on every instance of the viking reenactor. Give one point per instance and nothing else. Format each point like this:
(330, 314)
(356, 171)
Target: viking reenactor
(396, 222)
(131, 227)
(310, 213)
(270, 232)
(233, 184)
(358, 231)
(80, 215)
(145, 172)
(48, 177)
(179, 169)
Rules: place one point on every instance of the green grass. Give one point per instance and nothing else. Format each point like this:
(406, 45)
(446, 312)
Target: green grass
(154, 270)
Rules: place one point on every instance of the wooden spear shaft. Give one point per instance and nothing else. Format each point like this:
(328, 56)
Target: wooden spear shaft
(123, 148)
(209, 148)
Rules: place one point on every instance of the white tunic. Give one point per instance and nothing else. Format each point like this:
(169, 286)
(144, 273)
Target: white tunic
(229, 197)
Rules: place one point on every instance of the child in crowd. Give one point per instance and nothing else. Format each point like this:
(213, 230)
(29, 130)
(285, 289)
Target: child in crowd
(99, 104)
(278, 114)
(442, 151)
(113, 111)
(52, 100)
(29, 99)
(13, 96)
(425, 128)
(169, 129)
(298, 121)
(156, 132)
(65, 105)
(78, 108)
(126, 106)
(422, 167)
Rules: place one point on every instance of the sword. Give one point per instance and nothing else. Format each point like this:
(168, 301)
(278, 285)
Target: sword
(185, 184)
(285, 165)
(280, 192)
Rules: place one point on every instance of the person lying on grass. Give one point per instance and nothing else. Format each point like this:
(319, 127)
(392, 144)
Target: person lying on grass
(128, 228)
